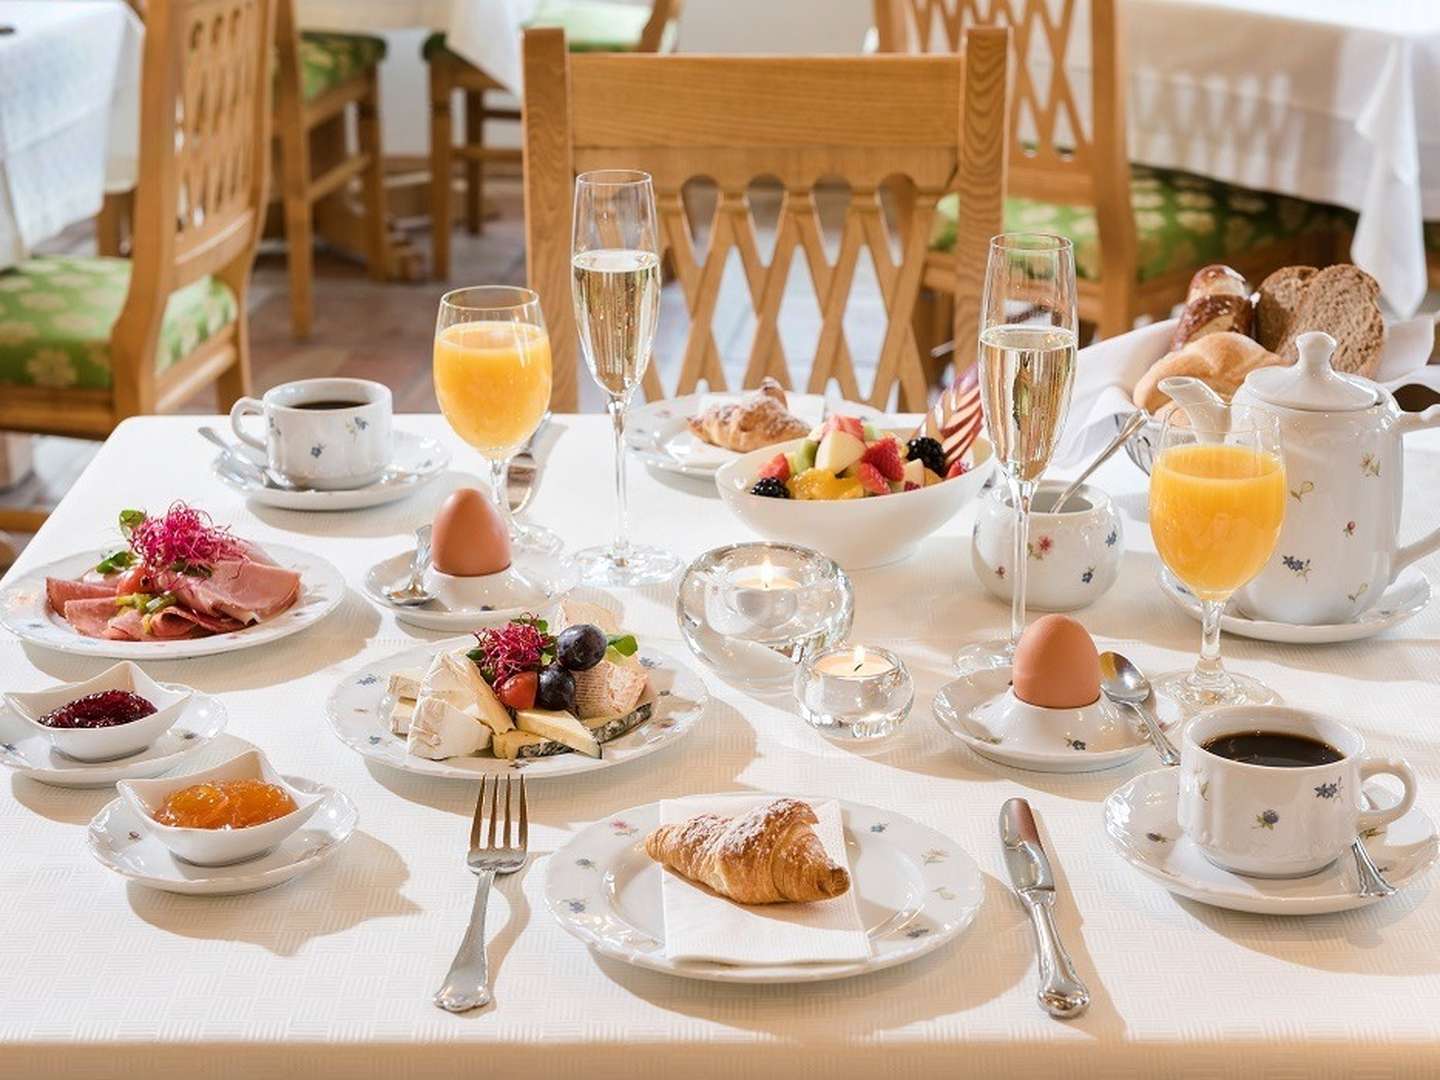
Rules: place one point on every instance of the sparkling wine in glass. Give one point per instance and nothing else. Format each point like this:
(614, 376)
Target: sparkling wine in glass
(492, 378)
(615, 258)
(1027, 370)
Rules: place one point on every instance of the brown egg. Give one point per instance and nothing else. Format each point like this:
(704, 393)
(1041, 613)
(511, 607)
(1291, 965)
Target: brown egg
(468, 538)
(1056, 665)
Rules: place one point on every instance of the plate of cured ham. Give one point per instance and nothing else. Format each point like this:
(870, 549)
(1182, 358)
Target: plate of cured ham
(174, 586)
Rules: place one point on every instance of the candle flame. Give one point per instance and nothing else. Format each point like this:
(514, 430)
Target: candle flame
(767, 574)
(858, 657)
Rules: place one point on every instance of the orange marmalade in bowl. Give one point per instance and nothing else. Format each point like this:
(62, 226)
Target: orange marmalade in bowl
(225, 804)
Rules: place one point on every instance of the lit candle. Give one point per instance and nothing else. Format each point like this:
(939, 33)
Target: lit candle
(766, 578)
(857, 664)
(854, 693)
(766, 596)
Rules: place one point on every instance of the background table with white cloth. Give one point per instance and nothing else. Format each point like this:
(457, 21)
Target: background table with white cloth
(69, 114)
(332, 974)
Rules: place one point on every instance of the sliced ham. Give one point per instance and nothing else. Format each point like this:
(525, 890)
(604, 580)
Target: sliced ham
(60, 591)
(245, 590)
(91, 617)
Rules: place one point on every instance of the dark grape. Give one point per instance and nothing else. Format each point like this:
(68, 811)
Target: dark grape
(556, 690)
(580, 647)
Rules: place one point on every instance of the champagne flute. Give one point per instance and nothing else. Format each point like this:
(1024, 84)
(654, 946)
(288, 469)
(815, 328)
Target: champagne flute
(492, 379)
(1027, 370)
(1217, 502)
(615, 258)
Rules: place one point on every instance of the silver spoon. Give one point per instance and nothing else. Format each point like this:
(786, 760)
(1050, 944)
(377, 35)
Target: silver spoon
(238, 462)
(412, 591)
(1132, 425)
(1122, 682)
(1372, 882)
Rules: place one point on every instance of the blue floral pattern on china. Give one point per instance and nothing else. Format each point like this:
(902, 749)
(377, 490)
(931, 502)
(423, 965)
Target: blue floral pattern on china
(1300, 567)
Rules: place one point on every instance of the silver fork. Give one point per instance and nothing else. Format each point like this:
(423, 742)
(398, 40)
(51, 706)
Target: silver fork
(467, 986)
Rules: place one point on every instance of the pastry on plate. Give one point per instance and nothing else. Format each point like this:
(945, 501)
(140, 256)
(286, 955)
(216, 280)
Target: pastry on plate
(1220, 360)
(765, 856)
(761, 419)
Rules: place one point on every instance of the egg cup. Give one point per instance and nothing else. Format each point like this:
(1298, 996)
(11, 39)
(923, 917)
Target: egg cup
(513, 587)
(104, 743)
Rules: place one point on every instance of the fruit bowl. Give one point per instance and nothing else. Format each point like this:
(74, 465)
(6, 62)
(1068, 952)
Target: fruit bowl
(856, 533)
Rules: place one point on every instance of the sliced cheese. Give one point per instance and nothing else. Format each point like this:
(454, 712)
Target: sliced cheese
(514, 744)
(608, 689)
(405, 685)
(453, 677)
(575, 612)
(560, 727)
(605, 728)
(491, 711)
(400, 716)
(439, 730)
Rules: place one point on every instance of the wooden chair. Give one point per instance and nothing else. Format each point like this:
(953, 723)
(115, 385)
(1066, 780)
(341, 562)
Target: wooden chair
(590, 26)
(320, 77)
(87, 341)
(1139, 233)
(927, 124)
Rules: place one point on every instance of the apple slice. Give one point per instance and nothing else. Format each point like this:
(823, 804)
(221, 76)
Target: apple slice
(838, 451)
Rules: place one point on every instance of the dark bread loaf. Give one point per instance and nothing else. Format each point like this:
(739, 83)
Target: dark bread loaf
(1279, 299)
(1344, 301)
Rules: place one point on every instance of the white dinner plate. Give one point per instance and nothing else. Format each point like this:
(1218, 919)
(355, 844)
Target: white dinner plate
(917, 890)
(1140, 819)
(28, 751)
(658, 435)
(1406, 598)
(122, 843)
(415, 461)
(359, 713)
(24, 611)
(552, 578)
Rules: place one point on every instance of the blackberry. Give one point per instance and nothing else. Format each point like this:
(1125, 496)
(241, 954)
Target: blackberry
(928, 451)
(771, 488)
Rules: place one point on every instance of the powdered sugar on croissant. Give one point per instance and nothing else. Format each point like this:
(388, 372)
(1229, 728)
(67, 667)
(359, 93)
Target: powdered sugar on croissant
(762, 419)
(768, 855)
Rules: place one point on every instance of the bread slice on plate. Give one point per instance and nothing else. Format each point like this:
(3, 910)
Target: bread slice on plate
(1344, 301)
(1279, 300)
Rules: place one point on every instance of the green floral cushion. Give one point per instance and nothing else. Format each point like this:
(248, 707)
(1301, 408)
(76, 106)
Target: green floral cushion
(327, 60)
(1180, 220)
(56, 314)
(589, 25)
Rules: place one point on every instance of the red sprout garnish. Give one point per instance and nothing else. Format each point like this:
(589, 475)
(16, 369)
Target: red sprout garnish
(184, 540)
(510, 649)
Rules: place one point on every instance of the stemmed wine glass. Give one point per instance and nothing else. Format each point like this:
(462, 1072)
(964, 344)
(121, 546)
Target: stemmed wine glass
(1027, 369)
(615, 256)
(492, 379)
(1217, 502)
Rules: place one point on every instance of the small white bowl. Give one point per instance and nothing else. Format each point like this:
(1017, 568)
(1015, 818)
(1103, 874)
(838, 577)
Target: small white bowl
(856, 533)
(108, 743)
(1097, 728)
(218, 847)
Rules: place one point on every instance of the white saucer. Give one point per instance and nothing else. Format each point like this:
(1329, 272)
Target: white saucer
(657, 434)
(1406, 598)
(534, 581)
(119, 840)
(957, 702)
(1140, 821)
(415, 461)
(28, 751)
(917, 891)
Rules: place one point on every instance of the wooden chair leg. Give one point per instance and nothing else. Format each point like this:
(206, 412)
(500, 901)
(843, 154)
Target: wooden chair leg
(933, 319)
(474, 167)
(234, 382)
(299, 234)
(377, 232)
(441, 155)
(24, 520)
(112, 223)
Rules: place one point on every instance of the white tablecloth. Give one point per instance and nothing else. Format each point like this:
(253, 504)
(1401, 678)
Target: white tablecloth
(331, 975)
(69, 114)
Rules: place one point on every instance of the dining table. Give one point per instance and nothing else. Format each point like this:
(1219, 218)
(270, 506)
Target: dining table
(331, 975)
(69, 114)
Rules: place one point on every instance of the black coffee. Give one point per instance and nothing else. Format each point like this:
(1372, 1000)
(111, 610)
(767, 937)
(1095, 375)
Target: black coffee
(1279, 750)
(330, 404)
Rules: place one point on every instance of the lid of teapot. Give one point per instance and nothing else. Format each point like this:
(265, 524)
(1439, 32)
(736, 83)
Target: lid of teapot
(1311, 384)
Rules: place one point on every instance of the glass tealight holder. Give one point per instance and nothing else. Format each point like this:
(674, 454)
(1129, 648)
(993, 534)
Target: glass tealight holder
(751, 612)
(854, 693)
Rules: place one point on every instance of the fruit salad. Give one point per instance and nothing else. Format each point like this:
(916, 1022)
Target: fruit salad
(847, 458)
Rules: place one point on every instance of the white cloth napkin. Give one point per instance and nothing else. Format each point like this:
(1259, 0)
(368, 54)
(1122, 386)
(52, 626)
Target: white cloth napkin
(1106, 374)
(700, 925)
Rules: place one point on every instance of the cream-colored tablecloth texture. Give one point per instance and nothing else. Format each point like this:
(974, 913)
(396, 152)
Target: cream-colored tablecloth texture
(69, 114)
(331, 975)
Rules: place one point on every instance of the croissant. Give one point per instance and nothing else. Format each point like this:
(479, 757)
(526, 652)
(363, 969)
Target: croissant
(768, 855)
(762, 419)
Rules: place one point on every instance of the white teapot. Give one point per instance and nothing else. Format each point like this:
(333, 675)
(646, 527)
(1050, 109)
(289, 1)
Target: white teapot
(1339, 548)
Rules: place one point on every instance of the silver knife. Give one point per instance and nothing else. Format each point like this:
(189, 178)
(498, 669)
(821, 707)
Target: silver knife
(520, 479)
(1061, 992)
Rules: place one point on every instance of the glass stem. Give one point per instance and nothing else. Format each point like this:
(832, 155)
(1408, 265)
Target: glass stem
(621, 547)
(1021, 492)
(500, 492)
(1209, 673)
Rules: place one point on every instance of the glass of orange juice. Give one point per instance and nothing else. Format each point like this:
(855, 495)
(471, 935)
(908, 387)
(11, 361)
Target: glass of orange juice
(492, 378)
(1217, 501)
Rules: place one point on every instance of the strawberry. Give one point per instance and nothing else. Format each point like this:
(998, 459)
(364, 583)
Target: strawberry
(777, 468)
(871, 479)
(884, 454)
(957, 468)
(910, 485)
(851, 425)
(518, 691)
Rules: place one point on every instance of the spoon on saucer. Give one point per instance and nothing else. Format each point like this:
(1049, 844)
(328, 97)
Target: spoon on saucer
(239, 463)
(1124, 683)
(412, 591)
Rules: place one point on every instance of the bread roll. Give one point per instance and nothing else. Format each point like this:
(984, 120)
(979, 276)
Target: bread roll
(1211, 315)
(1217, 280)
(1220, 360)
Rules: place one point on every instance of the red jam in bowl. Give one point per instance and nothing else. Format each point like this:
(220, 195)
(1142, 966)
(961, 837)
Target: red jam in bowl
(106, 708)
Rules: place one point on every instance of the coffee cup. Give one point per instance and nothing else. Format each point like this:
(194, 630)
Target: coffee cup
(326, 434)
(1275, 792)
